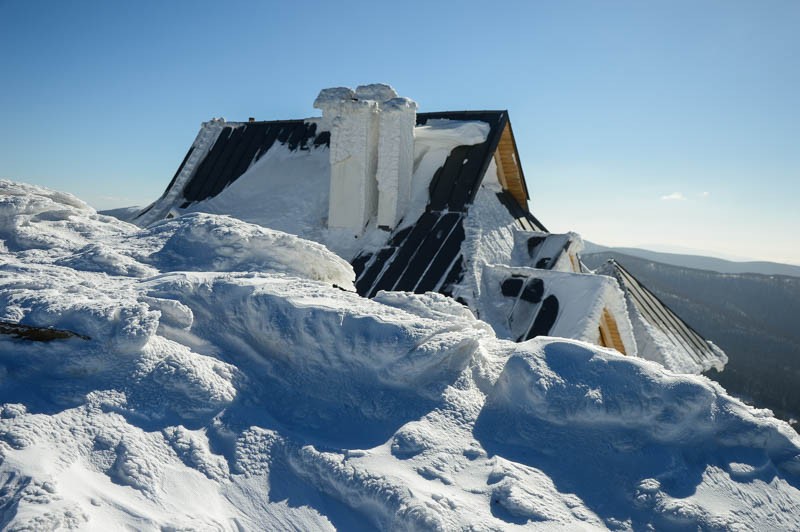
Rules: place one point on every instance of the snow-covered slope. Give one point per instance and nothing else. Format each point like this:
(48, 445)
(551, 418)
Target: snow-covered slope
(231, 379)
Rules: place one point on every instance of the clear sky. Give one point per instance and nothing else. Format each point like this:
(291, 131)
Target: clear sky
(661, 123)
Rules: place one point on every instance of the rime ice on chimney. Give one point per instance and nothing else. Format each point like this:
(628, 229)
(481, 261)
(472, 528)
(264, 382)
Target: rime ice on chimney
(353, 125)
(371, 154)
(398, 117)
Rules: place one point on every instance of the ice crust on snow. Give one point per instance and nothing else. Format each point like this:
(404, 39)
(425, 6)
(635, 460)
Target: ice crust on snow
(227, 384)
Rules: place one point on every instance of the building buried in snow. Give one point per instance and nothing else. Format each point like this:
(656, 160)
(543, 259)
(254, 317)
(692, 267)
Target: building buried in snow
(424, 202)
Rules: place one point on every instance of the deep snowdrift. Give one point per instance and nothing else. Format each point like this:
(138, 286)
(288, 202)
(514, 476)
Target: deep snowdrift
(227, 383)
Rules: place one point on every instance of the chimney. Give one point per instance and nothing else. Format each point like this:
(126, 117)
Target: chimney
(398, 117)
(371, 154)
(353, 124)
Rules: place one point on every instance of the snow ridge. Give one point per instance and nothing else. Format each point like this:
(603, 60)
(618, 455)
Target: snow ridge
(227, 384)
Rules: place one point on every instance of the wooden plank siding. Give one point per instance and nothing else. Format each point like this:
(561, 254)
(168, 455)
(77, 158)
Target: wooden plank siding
(509, 169)
(609, 333)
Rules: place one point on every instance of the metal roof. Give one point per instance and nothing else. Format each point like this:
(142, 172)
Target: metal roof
(421, 257)
(239, 146)
(427, 255)
(658, 315)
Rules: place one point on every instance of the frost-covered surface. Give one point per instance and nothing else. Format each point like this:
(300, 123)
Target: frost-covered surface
(653, 344)
(395, 159)
(289, 190)
(582, 299)
(284, 190)
(433, 142)
(495, 248)
(353, 125)
(488, 237)
(553, 252)
(228, 384)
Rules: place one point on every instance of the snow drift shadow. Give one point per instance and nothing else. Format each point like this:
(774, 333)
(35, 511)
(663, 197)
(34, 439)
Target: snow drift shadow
(592, 420)
(329, 366)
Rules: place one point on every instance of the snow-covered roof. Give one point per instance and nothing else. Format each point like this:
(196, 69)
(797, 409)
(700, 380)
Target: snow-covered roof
(427, 254)
(548, 251)
(460, 213)
(661, 335)
(222, 153)
(275, 174)
(523, 303)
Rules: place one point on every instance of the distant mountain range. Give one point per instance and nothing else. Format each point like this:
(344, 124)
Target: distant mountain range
(754, 317)
(125, 214)
(700, 262)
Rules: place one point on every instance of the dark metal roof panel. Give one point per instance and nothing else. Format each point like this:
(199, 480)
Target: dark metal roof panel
(455, 184)
(427, 255)
(659, 315)
(237, 147)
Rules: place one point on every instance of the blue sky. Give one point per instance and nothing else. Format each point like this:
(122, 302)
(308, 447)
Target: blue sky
(671, 124)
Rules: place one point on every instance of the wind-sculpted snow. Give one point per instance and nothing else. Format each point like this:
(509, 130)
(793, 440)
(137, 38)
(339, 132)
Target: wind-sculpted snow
(206, 242)
(628, 423)
(227, 378)
(39, 219)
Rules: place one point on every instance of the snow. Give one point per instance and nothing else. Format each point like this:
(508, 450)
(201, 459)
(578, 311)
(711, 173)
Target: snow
(228, 384)
(442, 132)
(206, 137)
(260, 195)
(378, 92)
(489, 237)
(495, 249)
(395, 159)
(126, 214)
(582, 300)
(289, 190)
(653, 344)
(354, 128)
(433, 142)
(559, 247)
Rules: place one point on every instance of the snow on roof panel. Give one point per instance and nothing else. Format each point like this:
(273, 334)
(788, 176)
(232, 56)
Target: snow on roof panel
(453, 277)
(424, 260)
(428, 257)
(405, 244)
(446, 260)
(424, 257)
(217, 178)
(455, 184)
(545, 250)
(659, 315)
(374, 266)
(235, 149)
(553, 303)
(178, 171)
(545, 318)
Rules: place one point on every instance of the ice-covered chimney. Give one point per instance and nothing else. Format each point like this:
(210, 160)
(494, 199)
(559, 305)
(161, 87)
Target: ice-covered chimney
(398, 117)
(371, 154)
(353, 123)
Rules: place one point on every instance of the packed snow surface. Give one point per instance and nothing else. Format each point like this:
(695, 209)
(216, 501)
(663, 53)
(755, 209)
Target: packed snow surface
(232, 380)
